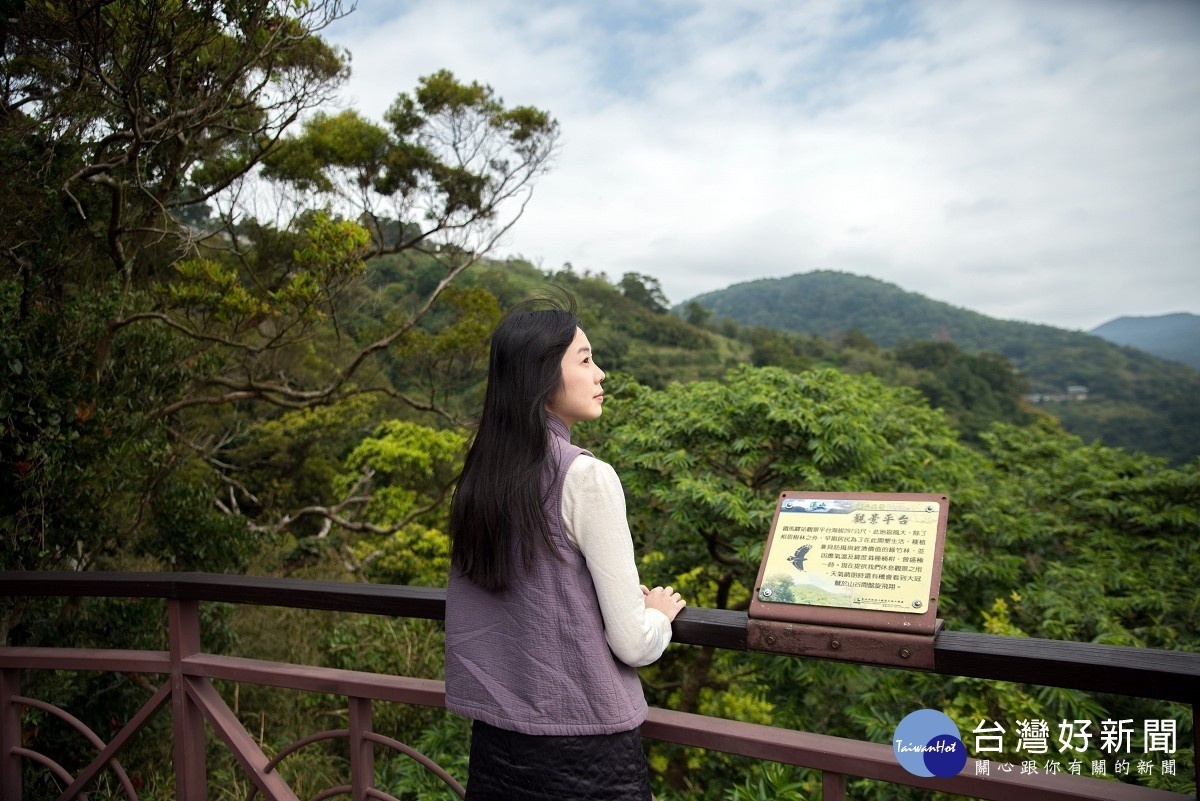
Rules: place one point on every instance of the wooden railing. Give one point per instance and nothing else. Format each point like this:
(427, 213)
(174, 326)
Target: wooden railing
(195, 703)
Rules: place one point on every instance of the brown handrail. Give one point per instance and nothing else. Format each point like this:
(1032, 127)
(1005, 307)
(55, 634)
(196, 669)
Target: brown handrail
(1120, 670)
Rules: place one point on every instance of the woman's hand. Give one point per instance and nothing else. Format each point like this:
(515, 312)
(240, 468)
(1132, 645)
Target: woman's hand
(664, 599)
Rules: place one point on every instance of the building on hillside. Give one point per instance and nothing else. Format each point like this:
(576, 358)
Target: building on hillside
(1075, 392)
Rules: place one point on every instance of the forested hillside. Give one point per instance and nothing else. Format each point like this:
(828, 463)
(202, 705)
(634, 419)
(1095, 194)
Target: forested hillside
(1133, 400)
(1168, 336)
(194, 383)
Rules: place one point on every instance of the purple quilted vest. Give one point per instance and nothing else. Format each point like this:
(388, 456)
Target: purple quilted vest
(533, 659)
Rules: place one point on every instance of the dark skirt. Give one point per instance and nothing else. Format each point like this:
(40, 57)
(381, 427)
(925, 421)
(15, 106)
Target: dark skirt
(510, 766)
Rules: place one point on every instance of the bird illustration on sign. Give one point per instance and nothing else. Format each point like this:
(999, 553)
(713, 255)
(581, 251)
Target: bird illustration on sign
(797, 559)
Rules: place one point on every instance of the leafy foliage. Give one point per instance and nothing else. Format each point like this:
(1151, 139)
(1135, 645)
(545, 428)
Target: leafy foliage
(974, 390)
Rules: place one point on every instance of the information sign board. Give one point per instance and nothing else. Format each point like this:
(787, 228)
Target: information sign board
(856, 560)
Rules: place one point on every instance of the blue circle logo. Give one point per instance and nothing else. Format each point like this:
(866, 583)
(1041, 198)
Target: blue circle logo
(927, 743)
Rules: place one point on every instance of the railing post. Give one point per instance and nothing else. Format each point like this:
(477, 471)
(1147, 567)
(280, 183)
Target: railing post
(10, 735)
(833, 786)
(362, 754)
(191, 779)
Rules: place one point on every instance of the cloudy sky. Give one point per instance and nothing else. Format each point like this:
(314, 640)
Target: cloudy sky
(1035, 161)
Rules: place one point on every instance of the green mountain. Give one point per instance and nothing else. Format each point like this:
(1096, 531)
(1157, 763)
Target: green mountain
(1168, 336)
(1099, 390)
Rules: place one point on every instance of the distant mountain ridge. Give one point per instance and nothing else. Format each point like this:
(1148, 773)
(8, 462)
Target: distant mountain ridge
(1168, 336)
(1134, 400)
(827, 303)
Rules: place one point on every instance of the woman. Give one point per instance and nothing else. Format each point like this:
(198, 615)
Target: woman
(545, 616)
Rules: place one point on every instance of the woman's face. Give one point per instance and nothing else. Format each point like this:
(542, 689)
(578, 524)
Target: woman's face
(579, 396)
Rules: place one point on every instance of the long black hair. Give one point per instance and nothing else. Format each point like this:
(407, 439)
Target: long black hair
(499, 494)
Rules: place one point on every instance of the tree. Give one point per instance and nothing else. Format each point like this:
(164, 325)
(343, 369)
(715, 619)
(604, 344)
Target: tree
(857, 340)
(120, 121)
(696, 313)
(773, 348)
(450, 160)
(149, 318)
(118, 116)
(644, 289)
(975, 390)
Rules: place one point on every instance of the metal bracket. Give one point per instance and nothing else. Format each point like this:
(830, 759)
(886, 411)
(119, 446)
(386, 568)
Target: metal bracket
(899, 649)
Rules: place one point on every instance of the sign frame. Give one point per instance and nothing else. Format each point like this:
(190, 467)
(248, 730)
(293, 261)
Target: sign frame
(889, 637)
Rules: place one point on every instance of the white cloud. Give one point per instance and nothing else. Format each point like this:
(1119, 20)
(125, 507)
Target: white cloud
(1029, 160)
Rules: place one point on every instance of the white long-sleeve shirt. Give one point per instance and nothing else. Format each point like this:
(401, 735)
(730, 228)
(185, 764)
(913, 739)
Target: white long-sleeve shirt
(593, 513)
